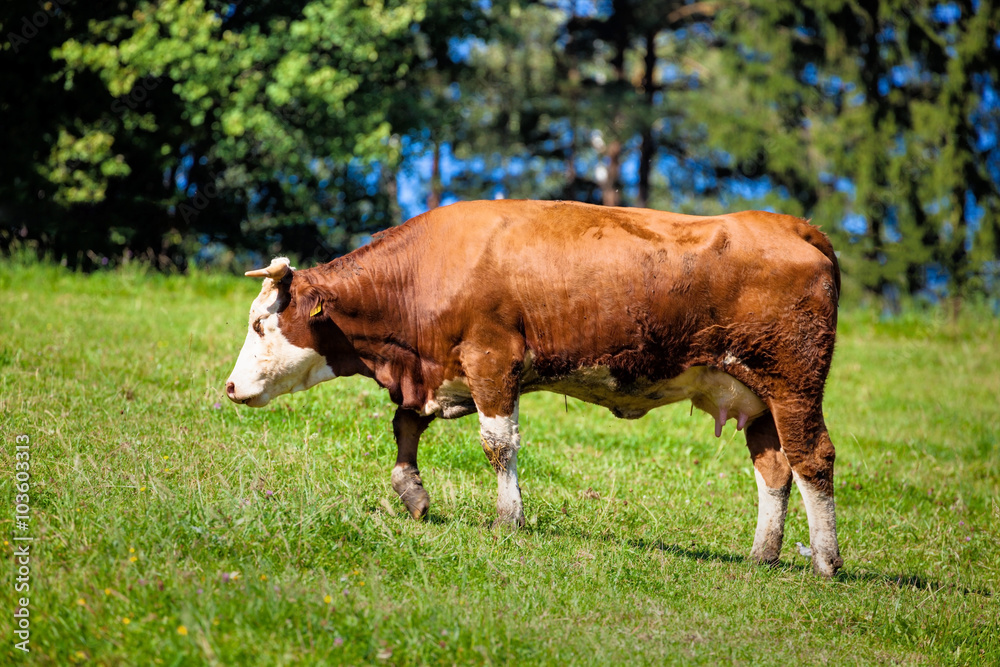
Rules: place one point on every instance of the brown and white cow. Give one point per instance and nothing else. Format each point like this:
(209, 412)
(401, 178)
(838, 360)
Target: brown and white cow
(464, 308)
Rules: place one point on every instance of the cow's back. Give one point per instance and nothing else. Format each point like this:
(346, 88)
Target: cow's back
(588, 282)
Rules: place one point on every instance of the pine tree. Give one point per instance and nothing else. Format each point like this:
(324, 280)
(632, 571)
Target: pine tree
(864, 114)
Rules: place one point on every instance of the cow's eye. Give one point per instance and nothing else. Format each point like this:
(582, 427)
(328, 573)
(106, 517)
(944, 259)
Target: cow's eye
(258, 328)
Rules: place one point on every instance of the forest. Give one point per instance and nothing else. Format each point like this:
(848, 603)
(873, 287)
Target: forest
(215, 134)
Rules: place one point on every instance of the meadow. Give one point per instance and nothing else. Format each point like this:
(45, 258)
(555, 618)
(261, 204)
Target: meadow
(172, 527)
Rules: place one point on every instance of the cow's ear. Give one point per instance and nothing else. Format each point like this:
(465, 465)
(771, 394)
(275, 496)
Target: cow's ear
(309, 302)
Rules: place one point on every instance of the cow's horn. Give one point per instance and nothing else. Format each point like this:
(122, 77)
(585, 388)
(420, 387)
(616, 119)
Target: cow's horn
(279, 267)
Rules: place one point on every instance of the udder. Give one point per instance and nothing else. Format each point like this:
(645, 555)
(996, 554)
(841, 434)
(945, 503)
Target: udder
(724, 397)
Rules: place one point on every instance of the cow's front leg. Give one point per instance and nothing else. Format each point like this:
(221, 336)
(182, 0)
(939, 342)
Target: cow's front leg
(407, 426)
(501, 440)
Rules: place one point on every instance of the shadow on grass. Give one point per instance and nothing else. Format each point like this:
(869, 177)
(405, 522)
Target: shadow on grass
(914, 581)
(900, 580)
(702, 554)
(699, 554)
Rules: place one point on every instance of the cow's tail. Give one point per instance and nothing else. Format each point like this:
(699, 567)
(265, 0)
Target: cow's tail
(817, 239)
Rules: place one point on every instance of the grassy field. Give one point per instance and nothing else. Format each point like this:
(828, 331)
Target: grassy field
(172, 527)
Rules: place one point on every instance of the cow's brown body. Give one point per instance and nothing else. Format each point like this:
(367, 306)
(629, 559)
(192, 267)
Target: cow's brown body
(464, 308)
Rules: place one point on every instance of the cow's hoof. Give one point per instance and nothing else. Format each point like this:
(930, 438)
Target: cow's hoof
(417, 503)
(513, 522)
(826, 566)
(406, 482)
(769, 557)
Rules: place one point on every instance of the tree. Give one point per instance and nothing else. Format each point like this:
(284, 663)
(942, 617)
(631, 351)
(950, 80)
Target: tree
(865, 115)
(39, 118)
(251, 125)
(560, 98)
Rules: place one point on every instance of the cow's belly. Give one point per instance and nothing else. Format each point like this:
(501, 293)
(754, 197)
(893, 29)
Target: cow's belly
(709, 389)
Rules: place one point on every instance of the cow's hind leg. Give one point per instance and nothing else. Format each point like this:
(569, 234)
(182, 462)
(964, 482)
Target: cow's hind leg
(774, 481)
(407, 426)
(809, 450)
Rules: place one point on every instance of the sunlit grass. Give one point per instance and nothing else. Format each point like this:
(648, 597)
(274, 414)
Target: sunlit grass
(172, 527)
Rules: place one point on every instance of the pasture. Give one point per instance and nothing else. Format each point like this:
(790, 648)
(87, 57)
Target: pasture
(173, 527)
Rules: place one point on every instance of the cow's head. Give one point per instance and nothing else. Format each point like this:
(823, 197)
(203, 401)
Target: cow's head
(278, 356)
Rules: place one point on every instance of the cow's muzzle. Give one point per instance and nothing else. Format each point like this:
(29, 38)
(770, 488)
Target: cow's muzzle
(231, 393)
(256, 401)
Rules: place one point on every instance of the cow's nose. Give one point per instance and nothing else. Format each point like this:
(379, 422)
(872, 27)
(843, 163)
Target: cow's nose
(231, 390)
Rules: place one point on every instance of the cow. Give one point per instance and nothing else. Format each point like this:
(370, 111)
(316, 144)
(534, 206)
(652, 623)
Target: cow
(464, 308)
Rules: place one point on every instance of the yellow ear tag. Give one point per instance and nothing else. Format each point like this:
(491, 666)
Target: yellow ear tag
(317, 310)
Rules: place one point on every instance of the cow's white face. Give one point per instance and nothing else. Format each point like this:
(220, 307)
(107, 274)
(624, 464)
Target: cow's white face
(269, 365)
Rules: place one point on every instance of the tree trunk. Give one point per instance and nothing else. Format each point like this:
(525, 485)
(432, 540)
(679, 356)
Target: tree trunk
(391, 189)
(434, 195)
(647, 150)
(609, 187)
(610, 193)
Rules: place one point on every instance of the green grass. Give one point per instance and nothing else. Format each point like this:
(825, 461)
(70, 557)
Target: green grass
(637, 536)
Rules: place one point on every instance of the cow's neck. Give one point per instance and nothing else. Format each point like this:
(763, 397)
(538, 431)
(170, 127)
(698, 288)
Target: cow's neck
(368, 304)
